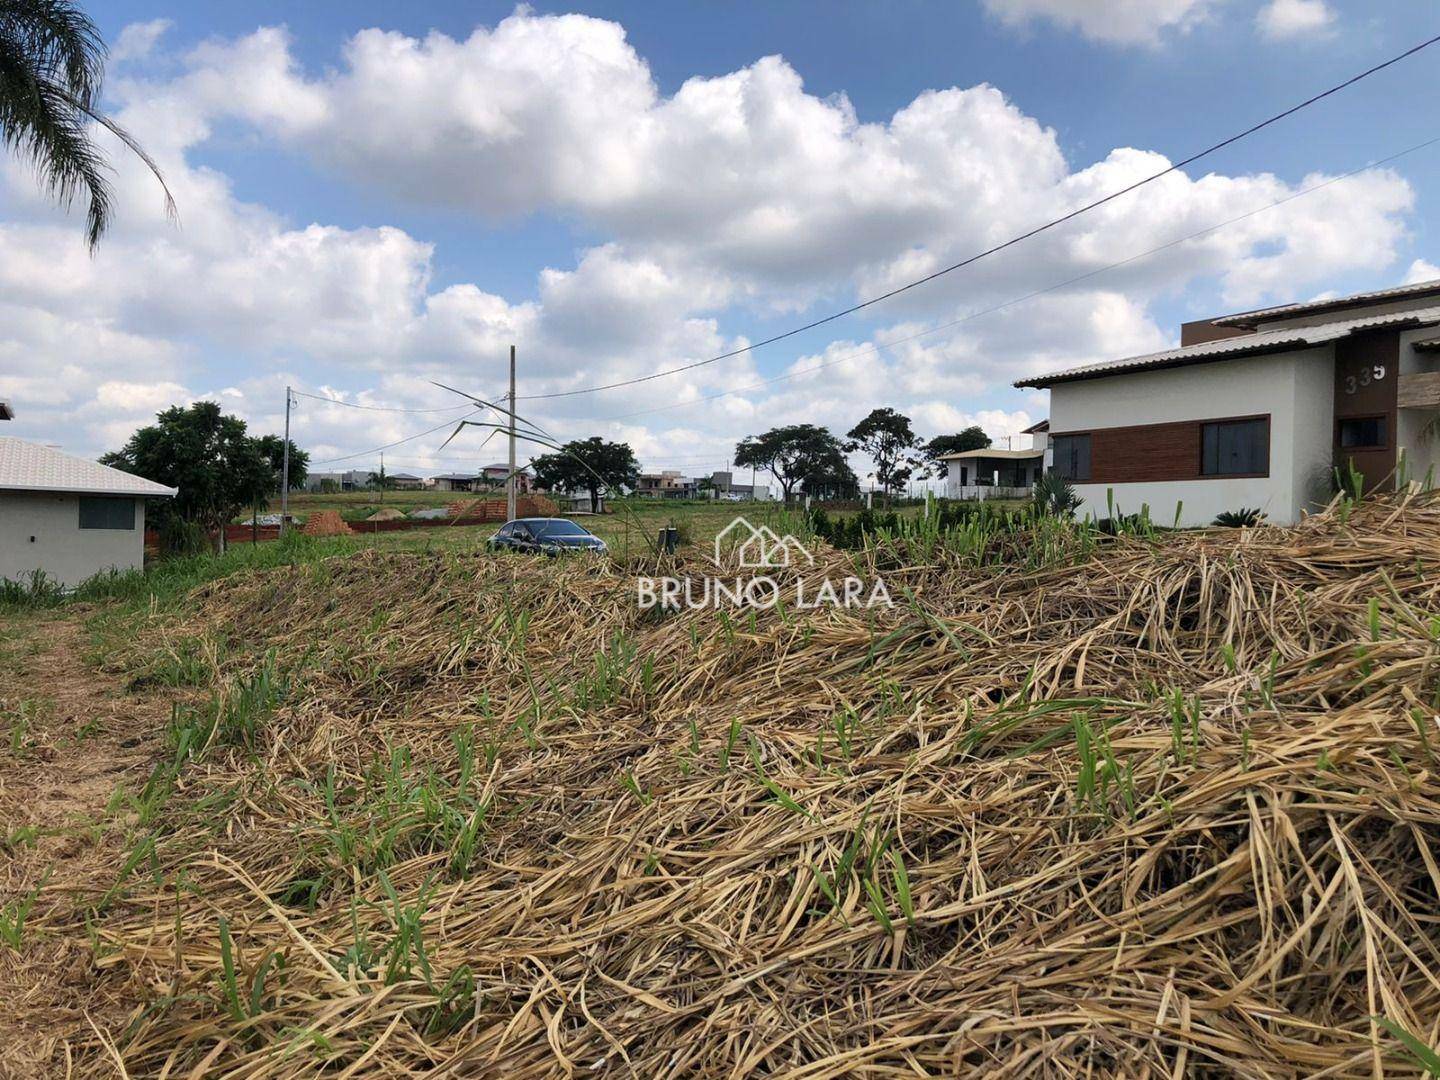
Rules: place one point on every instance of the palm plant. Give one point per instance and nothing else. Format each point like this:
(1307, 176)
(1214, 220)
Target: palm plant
(1245, 518)
(52, 62)
(1055, 495)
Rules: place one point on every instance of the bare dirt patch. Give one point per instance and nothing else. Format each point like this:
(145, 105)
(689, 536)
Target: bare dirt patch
(72, 737)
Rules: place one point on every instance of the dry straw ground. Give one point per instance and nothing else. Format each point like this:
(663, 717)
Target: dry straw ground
(1165, 809)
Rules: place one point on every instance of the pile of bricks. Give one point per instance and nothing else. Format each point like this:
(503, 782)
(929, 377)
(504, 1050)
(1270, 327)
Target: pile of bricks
(472, 510)
(326, 523)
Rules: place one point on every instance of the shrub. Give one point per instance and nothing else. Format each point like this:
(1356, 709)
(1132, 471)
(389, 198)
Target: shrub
(1054, 495)
(1244, 518)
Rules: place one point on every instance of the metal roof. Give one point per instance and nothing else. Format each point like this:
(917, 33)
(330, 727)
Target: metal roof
(1007, 455)
(1264, 341)
(27, 466)
(1399, 292)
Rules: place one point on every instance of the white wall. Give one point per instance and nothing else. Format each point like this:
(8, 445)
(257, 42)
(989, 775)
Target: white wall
(42, 532)
(1295, 388)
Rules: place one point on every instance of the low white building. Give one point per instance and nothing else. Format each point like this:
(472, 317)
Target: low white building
(1256, 410)
(68, 517)
(998, 472)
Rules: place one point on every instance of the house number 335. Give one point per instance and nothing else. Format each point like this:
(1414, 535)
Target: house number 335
(1365, 378)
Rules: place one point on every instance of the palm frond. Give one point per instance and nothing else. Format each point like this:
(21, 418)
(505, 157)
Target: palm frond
(52, 63)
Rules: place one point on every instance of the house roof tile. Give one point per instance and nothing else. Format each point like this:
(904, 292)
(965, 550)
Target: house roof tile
(1285, 311)
(27, 466)
(1264, 341)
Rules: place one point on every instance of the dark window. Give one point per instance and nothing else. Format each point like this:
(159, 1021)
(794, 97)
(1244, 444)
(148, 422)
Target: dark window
(1235, 448)
(505, 531)
(1363, 432)
(97, 513)
(559, 527)
(1072, 456)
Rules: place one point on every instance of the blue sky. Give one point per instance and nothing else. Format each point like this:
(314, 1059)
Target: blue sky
(374, 196)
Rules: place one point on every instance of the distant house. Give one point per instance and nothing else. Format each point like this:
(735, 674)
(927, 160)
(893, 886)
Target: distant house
(998, 472)
(69, 517)
(669, 484)
(454, 482)
(578, 502)
(723, 485)
(1256, 409)
(496, 475)
(353, 480)
(404, 481)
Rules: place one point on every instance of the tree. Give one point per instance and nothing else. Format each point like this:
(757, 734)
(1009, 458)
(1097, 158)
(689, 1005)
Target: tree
(218, 469)
(789, 453)
(972, 438)
(52, 63)
(885, 436)
(592, 465)
(273, 447)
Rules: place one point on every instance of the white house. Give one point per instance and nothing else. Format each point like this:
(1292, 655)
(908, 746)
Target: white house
(1257, 409)
(998, 472)
(496, 475)
(67, 516)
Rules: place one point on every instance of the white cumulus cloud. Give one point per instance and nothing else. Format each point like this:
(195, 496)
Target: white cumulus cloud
(1122, 22)
(1281, 20)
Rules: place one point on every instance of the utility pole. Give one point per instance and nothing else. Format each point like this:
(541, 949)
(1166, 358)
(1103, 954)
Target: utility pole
(285, 466)
(382, 477)
(510, 480)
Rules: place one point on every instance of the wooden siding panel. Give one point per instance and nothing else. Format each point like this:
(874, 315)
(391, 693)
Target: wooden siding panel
(1420, 390)
(1151, 453)
(1366, 370)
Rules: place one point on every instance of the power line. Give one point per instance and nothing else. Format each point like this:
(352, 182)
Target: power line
(876, 349)
(1177, 166)
(375, 408)
(397, 442)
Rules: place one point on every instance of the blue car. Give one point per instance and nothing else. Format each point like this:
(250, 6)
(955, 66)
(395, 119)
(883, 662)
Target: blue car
(545, 536)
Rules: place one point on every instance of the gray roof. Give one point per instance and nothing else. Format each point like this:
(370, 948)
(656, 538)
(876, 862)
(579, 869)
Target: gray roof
(1264, 341)
(987, 452)
(1285, 311)
(27, 466)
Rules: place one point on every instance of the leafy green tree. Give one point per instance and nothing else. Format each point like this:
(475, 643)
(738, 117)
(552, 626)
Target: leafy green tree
(790, 453)
(593, 465)
(273, 447)
(52, 63)
(218, 468)
(972, 438)
(886, 437)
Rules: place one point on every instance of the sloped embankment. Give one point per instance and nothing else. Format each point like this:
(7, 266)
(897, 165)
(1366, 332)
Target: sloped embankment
(1169, 811)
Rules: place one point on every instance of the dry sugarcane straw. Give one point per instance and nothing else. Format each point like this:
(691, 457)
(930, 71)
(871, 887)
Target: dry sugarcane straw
(1164, 806)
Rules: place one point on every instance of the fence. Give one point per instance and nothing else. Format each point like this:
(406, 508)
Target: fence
(245, 534)
(986, 491)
